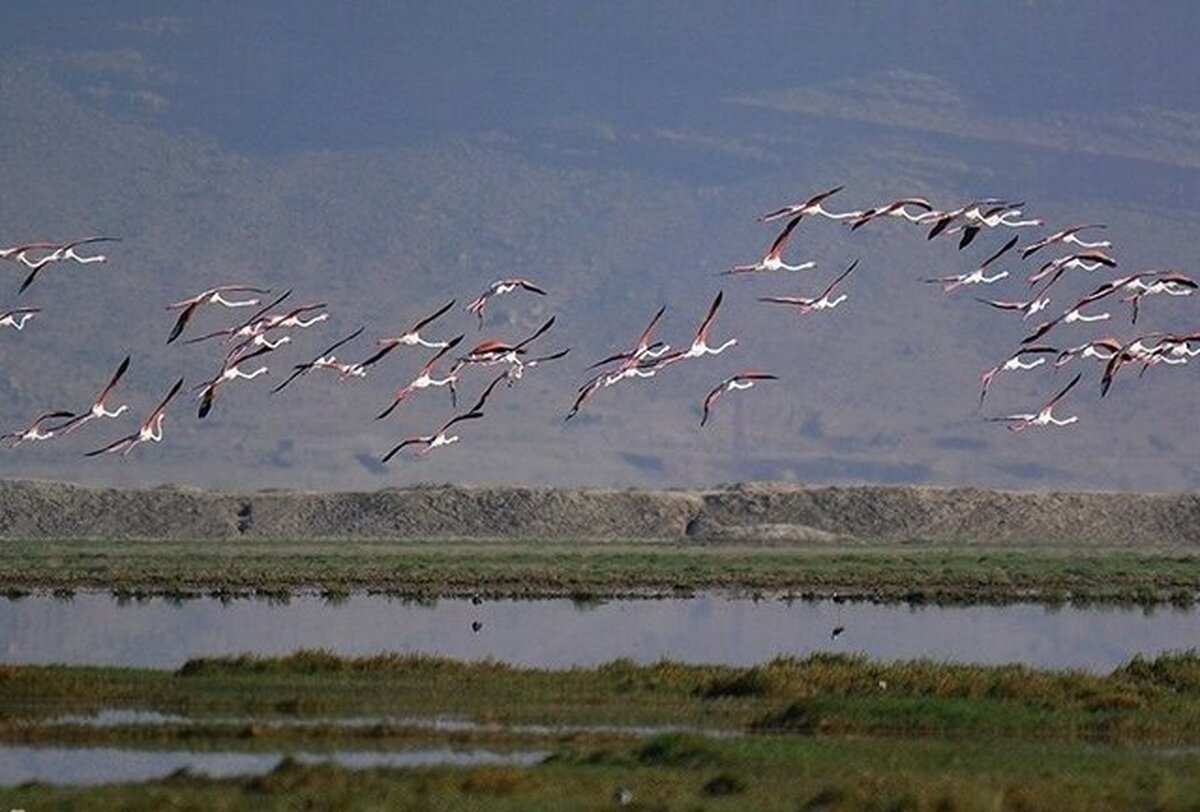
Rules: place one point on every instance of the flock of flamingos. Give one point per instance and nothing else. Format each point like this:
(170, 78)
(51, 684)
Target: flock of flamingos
(269, 326)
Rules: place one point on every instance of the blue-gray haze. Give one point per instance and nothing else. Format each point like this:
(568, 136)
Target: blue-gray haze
(385, 157)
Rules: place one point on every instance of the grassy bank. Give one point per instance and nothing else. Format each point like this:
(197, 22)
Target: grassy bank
(828, 732)
(916, 572)
(1144, 701)
(685, 773)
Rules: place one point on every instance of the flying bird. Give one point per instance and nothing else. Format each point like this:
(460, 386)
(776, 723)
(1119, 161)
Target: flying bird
(1055, 268)
(248, 327)
(897, 208)
(1044, 416)
(34, 432)
(61, 253)
(942, 219)
(150, 431)
(440, 437)
(822, 302)
(325, 360)
(17, 316)
(645, 347)
(1026, 308)
(1067, 235)
(1102, 349)
(98, 408)
(742, 380)
(499, 288)
(812, 206)
(15, 253)
(213, 296)
(699, 347)
(773, 261)
(412, 337)
(1014, 363)
(230, 371)
(976, 220)
(976, 277)
(424, 378)
(494, 351)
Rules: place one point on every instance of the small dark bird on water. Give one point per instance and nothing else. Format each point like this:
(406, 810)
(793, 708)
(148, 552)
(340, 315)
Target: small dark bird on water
(476, 626)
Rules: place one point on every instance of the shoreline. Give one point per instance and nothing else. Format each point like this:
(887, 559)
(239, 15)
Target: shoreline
(916, 574)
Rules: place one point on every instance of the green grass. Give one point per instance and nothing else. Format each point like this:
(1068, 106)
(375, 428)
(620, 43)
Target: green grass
(827, 732)
(1154, 701)
(914, 572)
(686, 773)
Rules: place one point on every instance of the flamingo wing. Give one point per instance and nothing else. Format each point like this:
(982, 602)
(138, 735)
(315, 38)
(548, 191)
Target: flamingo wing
(115, 445)
(428, 319)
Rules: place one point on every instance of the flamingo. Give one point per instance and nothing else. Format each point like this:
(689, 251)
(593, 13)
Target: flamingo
(230, 371)
(256, 328)
(585, 392)
(1102, 349)
(494, 351)
(811, 206)
(440, 437)
(773, 261)
(17, 316)
(425, 378)
(1027, 308)
(1134, 351)
(942, 219)
(1074, 313)
(699, 347)
(254, 342)
(1170, 283)
(742, 380)
(1043, 417)
(247, 327)
(412, 337)
(325, 360)
(63, 252)
(822, 302)
(295, 318)
(1012, 364)
(498, 288)
(16, 253)
(976, 277)
(435, 440)
(149, 431)
(98, 408)
(645, 348)
(211, 296)
(34, 432)
(1067, 235)
(897, 208)
(1085, 261)
(515, 371)
(976, 220)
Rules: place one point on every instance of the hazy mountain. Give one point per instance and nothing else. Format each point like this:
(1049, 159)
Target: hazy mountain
(619, 180)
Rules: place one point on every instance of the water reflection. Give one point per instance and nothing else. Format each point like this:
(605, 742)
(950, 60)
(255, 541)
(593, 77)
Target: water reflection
(106, 765)
(95, 629)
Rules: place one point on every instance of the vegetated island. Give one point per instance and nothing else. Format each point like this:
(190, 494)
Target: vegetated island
(869, 542)
(824, 732)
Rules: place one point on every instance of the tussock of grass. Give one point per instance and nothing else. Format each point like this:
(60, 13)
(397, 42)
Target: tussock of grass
(321, 661)
(679, 750)
(1156, 700)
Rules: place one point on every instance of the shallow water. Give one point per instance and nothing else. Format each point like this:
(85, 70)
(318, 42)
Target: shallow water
(122, 717)
(104, 765)
(92, 628)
